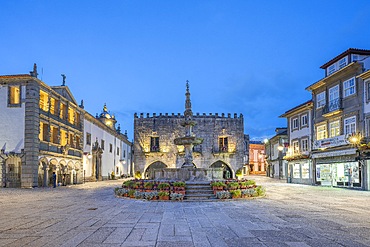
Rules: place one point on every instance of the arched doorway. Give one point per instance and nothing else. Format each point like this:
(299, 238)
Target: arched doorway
(227, 173)
(150, 169)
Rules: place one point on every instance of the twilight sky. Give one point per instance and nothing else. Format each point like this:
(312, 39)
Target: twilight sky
(249, 57)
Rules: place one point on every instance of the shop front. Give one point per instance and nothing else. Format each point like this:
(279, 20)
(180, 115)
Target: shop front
(338, 169)
(300, 171)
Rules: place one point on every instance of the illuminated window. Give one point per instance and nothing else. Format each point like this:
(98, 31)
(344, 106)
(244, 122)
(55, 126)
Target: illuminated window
(295, 145)
(321, 132)
(54, 135)
(63, 137)
(63, 111)
(44, 132)
(154, 144)
(320, 100)
(77, 119)
(350, 125)
(14, 97)
(52, 106)
(223, 144)
(349, 87)
(44, 98)
(71, 115)
(334, 128)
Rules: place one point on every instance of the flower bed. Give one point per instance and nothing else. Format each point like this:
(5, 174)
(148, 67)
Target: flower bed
(238, 189)
(152, 190)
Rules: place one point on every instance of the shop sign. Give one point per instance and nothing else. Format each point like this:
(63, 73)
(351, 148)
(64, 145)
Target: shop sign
(331, 142)
(334, 153)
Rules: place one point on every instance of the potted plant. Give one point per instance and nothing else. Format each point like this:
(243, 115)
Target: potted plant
(260, 191)
(179, 187)
(233, 185)
(131, 193)
(163, 195)
(251, 183)
(148, 186)
(223, 194)
(235, 194)
(128, 184)
(177, 196)
(243, 185)
(164, 186)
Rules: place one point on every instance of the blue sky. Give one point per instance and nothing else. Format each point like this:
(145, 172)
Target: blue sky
(249, 57)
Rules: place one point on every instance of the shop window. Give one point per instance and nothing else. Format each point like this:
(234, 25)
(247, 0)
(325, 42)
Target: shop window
(14, 96)
(154, 144)
(223, 144)
(296, 171)
(305, 170)
(88, 138)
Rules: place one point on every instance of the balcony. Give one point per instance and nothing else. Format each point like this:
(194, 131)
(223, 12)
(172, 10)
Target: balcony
(56, 148)
(334, 107)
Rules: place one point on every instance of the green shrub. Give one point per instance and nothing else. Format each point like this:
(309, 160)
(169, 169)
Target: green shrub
(128, 184)
(148, 185)
(235, 193)
(179, 184)
(250, 182)
(233, 185)
(163, 193)
(162, 186)
(260, 191)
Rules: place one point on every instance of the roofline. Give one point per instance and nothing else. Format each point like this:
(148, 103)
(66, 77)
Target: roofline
(345, 53)
(307, 103)
(365, 75)
(322, 81)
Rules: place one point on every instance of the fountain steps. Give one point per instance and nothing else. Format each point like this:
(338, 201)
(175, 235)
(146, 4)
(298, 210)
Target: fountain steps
(198, 191)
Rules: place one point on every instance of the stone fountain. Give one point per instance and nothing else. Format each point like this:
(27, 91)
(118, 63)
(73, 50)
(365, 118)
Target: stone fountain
(188, 171)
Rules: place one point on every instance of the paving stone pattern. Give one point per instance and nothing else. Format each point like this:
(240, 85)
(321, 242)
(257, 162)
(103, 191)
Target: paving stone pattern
(90, 215)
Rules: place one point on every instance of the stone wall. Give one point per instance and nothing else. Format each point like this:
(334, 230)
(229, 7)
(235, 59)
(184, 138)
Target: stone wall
(209, 127)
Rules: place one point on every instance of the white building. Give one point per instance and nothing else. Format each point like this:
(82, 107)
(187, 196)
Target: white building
(299, 121)
(106, 150)
(276, 148)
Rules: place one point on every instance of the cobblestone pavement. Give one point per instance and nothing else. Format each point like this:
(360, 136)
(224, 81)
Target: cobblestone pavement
(90, 215)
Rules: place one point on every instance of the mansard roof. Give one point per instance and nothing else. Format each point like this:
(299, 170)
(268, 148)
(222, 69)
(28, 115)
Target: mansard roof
(345, 53)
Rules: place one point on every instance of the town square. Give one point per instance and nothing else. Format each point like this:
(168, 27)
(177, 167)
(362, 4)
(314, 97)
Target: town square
(185, 123)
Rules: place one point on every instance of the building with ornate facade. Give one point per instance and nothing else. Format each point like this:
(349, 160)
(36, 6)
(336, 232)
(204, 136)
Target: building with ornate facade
(42, 133)
(256, 156)
(223, 143)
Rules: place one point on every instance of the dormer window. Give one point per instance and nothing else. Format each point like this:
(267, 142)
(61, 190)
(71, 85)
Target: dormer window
(342, 62)
(331, 69)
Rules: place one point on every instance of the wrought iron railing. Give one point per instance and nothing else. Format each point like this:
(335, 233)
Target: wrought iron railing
(334, 105)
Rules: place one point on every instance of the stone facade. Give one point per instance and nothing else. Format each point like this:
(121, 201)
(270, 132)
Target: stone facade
(223, 143)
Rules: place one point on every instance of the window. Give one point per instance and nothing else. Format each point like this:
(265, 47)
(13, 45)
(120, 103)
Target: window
(52, 106)
(44, 98)
(77, 142)
(102, 144)
(63, 111)
(63, 137)
(342, 62)
(304, 145)
(124, 153)
(110, 147)
(223, 144)
(154, 144)
(331, 69)
(44, 132)
(295, 145)
(71, 115)
(320, 100)
(321, 132)
(334, 98)
(54, 135)
(350, 125)
(354, 57)
(70, 140)
(334, 128)
(349, 87)
(117, 150)
(88, 138)
(368, 91)
(295, 123)
(14, 95)
(304, 120)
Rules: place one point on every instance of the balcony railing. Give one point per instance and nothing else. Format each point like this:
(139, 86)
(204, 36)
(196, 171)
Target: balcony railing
(55, 148)
(333, 107)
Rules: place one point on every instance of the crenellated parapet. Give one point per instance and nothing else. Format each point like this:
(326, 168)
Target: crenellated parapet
(197, 115)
